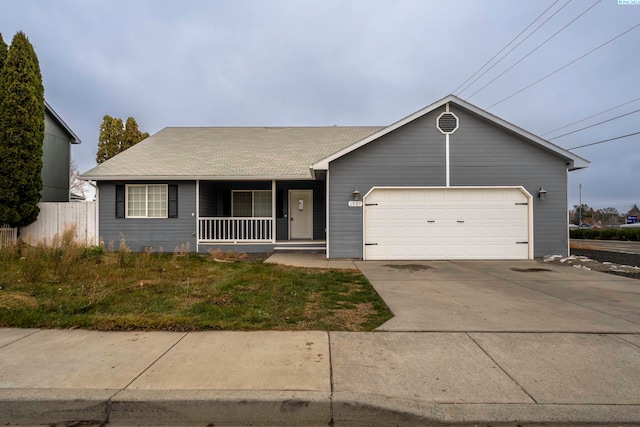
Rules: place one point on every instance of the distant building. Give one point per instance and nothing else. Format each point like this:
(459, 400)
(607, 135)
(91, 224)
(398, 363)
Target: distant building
(56, 157)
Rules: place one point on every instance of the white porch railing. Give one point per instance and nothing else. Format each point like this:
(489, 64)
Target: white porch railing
(235, 229)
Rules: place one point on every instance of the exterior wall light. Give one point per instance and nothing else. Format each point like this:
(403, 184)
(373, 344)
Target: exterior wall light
(356, 195)
(542, 193)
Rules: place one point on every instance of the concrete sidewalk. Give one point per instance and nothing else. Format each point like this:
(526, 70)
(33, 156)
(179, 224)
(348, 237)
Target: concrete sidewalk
(314, 378)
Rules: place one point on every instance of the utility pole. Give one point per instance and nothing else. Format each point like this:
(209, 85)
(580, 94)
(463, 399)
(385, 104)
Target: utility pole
(580, 206)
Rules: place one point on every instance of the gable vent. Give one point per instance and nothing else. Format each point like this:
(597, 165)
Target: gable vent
(447, 123)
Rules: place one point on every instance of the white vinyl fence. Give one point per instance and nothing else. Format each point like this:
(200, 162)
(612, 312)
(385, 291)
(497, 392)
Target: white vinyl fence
(8, 235)
(55, 217)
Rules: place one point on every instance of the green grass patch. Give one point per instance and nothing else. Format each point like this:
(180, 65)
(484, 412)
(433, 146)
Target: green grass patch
(74, 287)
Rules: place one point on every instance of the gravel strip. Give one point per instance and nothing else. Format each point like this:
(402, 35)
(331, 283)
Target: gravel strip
(620, 264)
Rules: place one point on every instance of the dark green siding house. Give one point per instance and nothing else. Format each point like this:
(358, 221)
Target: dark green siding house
(56, 158)
(450, 181)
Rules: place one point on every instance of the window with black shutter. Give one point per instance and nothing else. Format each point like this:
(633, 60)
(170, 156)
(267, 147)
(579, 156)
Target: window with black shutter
(120, 201)
(173, 201)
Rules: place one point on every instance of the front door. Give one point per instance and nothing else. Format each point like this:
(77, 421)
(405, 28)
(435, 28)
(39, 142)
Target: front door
(301, 214)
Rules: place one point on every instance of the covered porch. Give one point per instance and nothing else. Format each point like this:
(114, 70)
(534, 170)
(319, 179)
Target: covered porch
(246, 215)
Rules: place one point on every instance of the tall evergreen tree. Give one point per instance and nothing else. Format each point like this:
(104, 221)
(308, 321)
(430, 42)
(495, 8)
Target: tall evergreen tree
(116, 137)
(21, 133)
(111, 132)
(132, 134)
(3, 51)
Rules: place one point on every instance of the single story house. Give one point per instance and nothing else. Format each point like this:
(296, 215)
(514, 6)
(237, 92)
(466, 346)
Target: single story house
(450, 181)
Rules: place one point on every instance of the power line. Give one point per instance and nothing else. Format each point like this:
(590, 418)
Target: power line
(522, 41)
(590, 117)
(507, 45)
(596, 124)
(604, 140)
(537, 47)
(565, 66)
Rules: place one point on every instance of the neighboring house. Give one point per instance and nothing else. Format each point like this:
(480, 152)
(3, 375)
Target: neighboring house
(450, 181)
(56, 157)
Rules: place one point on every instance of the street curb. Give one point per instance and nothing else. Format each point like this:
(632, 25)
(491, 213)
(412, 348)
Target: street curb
(219, 407)
(54, 406)
(354, 409)
(285, 408)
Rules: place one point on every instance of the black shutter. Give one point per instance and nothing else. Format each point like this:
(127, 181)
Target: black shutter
(173, 201)
(119, 201)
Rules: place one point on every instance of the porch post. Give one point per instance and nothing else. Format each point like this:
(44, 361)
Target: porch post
(197, 216)
(326, 201)
(97, 225)
(273, 210)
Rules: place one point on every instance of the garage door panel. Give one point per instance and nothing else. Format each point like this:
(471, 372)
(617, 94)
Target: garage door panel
(472, 223)
(415, 213)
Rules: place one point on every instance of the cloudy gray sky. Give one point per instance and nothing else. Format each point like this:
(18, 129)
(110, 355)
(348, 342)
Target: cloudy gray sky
(368, 62)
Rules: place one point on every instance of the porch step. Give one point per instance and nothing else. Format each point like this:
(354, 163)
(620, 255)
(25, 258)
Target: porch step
(307, 248)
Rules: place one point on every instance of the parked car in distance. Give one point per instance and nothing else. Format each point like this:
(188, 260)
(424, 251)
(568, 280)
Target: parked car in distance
(636, 225)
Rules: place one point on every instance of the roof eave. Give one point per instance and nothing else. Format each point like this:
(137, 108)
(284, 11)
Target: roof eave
(196, 178)
(58, 119)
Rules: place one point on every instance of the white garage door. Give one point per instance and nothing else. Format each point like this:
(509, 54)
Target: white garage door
(447, 223)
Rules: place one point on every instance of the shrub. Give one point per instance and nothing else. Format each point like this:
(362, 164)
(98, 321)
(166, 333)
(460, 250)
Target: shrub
(584, 233)
(606, 233)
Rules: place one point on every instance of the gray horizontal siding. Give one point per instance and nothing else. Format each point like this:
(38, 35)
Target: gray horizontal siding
(412, 155)
(156, 233)
(481, 154)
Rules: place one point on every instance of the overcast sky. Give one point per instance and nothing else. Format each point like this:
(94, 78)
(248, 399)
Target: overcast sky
(317, 63)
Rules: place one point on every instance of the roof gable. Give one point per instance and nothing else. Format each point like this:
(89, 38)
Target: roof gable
(575, 162)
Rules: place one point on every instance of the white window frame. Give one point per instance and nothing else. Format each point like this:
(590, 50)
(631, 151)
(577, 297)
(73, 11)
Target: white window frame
(253, 202)
(146, 201)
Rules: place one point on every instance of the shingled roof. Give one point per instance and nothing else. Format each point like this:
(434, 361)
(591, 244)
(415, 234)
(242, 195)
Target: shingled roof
(229, 153)
(236, 153)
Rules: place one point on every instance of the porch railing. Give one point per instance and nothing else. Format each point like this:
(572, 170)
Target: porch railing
(235, 229)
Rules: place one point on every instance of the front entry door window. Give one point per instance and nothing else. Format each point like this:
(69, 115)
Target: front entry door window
(301, 214)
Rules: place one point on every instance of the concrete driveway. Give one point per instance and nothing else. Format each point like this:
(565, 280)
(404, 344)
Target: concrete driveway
(503, 296)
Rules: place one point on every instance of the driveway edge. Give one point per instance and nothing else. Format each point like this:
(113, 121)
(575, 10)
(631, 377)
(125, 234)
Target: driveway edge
(353, 409)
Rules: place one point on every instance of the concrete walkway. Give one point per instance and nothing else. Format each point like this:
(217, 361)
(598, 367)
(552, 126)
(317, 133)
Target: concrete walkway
(310, 260)
(500, 363)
